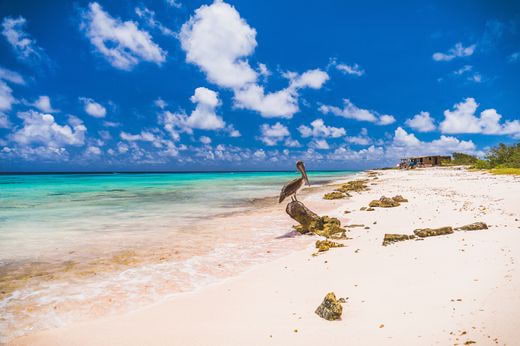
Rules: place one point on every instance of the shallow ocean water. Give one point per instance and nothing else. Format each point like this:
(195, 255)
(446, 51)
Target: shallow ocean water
(73, 246)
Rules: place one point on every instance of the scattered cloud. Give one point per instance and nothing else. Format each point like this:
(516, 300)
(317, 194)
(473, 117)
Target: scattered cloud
(160, 103)
(40, 128)
(205, 140)
(463, 119)
(319, 129)
(272, 134)
(351, 69)
(93, 150)
(218, 41)
(351, 111)
(283, 103)
(421, 122)
(93, 108)
(203, 117)
(43, 103)
(320, 144)
(457, 51)
(11, 76)
(6, 93)
(174, 3)
(24, 46)
(476, 77)
(386, 119)
(122, 44)
(148, 16)
(6, 97)
(4, 121)
(463, 69)
(514, 57)
(407, 144)
(259, 154)
(361, 139)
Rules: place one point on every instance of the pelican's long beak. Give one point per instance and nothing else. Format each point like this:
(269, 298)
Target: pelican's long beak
(305, 178)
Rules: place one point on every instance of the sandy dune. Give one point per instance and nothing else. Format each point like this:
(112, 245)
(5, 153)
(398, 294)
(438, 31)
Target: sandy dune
(442, 290)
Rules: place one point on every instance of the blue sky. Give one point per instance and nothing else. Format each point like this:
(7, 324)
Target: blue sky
(202, 85)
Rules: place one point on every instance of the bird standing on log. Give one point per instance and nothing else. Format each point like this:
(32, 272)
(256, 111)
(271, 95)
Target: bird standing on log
(293, 186)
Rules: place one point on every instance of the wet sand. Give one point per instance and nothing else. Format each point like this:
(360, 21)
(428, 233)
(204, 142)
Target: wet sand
(450, 289)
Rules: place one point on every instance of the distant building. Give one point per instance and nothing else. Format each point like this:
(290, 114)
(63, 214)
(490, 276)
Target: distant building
(423, 161)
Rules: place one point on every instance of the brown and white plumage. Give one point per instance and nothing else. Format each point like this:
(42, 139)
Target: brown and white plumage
(294, 185)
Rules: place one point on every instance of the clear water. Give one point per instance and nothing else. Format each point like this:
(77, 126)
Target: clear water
(73, 245)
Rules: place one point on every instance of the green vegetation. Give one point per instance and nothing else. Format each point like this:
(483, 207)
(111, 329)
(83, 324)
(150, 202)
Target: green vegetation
(502, 159)
(463, 159)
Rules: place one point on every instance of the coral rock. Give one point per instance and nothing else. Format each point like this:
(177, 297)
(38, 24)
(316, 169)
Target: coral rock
(430, 232)
(325, 245)
(330, 309)
(473, 227)
(392, 238)
(399, 199)
(384, 202)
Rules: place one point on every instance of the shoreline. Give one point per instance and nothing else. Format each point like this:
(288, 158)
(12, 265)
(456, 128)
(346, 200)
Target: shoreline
(274, 302)
(143, 261)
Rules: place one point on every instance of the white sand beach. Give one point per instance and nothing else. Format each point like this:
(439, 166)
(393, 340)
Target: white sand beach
(447, 290)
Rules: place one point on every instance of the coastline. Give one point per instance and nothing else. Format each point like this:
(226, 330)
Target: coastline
(208, 251)
(447, 289)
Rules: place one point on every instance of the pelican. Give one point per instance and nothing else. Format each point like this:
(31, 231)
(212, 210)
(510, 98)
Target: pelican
(293, 186)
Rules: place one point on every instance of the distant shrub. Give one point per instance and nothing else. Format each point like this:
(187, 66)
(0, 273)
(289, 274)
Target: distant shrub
(481, 164)
(504, 156)
(463, 159)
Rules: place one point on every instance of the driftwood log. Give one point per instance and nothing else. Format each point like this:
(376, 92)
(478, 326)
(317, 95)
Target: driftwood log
(305, 217)
(309, 221)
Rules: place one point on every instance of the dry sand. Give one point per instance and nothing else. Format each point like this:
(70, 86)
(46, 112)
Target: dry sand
(444, 290)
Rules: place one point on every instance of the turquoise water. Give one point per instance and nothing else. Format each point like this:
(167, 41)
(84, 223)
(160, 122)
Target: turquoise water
(83, 245)
(41, 210)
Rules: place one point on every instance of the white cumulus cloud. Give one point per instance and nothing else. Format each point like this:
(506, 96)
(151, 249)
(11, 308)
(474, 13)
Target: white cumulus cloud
(203, 117)
(41, 128)
(272, 134)
(351, 111)
(93, 108)
(43, 103)
(219, 41)
(319, 129)
(421, 122)
(6, 97)
(463, 119)
(205, 140)
(123, 44)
